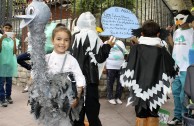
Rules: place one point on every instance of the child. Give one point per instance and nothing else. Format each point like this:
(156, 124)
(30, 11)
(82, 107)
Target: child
(113, 65)
(147, 74)
(89, 50)
(8, 64)
(183, 39)
(60, 61)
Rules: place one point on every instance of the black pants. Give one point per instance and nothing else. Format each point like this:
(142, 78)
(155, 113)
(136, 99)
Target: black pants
(91, 108)
(144, 113)
(113, 75)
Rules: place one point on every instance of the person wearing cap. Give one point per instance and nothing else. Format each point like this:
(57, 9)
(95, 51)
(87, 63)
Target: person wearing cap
(113, 65)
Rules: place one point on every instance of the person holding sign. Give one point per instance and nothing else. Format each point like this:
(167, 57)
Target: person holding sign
(113, 65)
(147, 73)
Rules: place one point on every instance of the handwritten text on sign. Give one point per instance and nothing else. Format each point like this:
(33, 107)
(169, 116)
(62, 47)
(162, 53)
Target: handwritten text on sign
(118, 22)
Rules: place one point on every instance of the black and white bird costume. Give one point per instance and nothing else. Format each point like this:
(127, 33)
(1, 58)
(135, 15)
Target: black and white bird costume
(90, 52)
(148, 73)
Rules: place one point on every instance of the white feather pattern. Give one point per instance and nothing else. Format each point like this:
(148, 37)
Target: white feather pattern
(145, 95)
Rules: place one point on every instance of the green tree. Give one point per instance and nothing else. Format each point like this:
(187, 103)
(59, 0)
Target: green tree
(98, 6)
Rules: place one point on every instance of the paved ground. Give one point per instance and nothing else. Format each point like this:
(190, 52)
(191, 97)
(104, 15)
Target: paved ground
(18, 114)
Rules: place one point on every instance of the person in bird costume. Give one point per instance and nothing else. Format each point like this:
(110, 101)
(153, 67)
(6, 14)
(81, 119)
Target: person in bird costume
(52, 93)
(90, 51)
(183, 39)
(147, 73)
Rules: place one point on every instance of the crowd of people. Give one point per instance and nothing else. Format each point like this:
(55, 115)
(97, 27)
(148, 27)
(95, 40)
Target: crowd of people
(147, 70)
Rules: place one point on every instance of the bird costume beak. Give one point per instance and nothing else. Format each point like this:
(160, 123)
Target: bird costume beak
(26, 19)
(180, 19)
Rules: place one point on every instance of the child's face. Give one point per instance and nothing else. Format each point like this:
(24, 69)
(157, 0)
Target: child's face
(61, 42)
(7, 29)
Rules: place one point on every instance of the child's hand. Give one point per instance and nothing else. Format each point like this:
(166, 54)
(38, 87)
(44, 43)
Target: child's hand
(104, 71)
(74, 103)
(4, 36)
(134, 40)
(170, 28)
(111, 41)
(14, 36)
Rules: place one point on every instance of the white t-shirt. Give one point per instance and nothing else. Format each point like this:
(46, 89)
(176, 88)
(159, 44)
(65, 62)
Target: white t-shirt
(55, 62)
(116, 56)
(183, 41)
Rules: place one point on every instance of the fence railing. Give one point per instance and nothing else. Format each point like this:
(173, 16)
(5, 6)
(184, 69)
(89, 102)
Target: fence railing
(65, 11)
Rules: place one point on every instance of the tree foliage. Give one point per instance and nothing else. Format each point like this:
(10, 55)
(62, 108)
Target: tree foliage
(98, 6)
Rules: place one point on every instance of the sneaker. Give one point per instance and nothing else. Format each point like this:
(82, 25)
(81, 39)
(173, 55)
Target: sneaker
(112, 101)
(24, 91)
(3, 103)
(9, 100)
(175, 121)
(119, 101)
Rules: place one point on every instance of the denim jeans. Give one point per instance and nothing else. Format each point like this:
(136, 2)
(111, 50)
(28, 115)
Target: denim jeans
(112, 75)
(7, 81)
(179, 95)
(22, 58)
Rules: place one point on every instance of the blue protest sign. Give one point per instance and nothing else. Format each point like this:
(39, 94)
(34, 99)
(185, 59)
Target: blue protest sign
(118, 22)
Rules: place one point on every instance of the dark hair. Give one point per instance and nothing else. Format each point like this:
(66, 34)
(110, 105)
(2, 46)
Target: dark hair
(61, 28)
(7, 24)
(60, 24)
(150, 29)
(1, 32)
(184, 12)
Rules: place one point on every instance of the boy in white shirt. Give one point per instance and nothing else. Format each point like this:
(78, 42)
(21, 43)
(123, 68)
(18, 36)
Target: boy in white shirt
(183, 40)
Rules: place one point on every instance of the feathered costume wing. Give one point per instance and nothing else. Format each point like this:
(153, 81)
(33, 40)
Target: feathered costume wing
(56, 110)
(88, 48)
(89, 52)
(148, 73)
(163, 33)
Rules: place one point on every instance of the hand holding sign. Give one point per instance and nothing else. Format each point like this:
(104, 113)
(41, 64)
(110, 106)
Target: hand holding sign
(118, 22)
(111, 41)
(9, 34)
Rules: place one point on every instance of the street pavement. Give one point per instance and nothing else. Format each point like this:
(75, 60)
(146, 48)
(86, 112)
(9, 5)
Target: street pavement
(18, 113)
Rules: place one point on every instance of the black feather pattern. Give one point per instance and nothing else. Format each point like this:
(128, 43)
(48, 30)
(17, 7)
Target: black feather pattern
(190, 19)
(37, 109)
(73, 83)
(163, 33)
(150, 92)
(136, 32)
